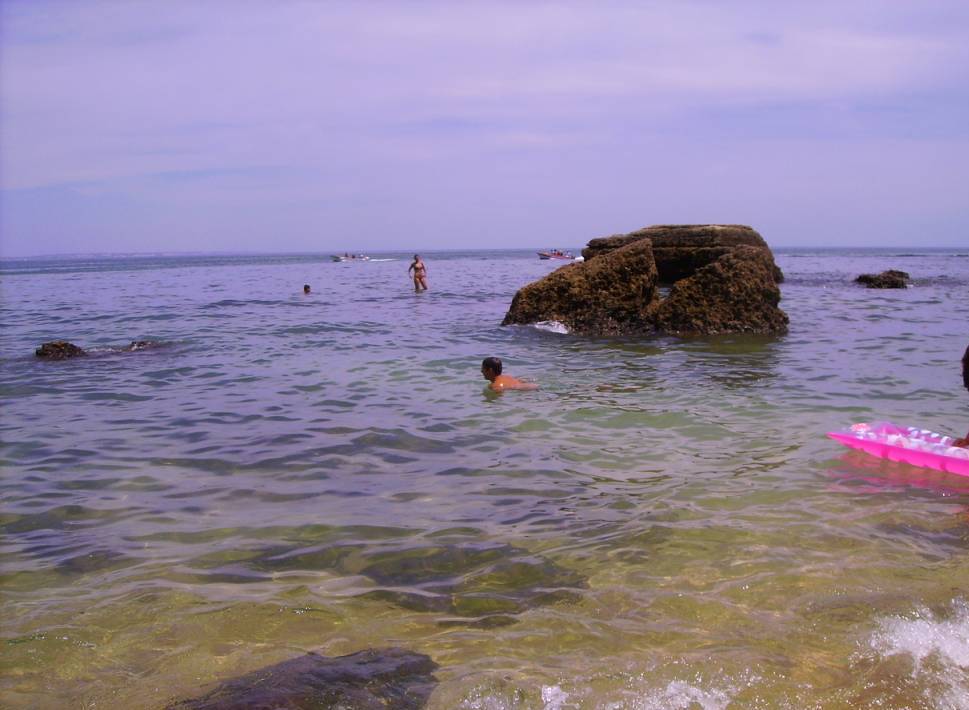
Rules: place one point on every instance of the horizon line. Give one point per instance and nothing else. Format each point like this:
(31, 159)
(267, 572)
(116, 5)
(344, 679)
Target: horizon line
(220, 252)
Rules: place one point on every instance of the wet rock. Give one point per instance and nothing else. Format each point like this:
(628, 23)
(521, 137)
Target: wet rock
(737, 293)
(59, 350)
(610, 295)
(724, 280)
(886, 279)
(371, 679)
(681, 249)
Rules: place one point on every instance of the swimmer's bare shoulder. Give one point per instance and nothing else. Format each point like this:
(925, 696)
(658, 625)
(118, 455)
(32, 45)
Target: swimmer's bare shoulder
(507, 382)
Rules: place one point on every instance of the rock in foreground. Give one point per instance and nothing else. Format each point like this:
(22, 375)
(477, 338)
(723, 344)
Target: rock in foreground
(371, 679)
(724, 280)
(59, 350)
(886, 279)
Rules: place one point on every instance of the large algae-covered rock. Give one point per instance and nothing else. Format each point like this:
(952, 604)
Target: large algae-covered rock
(724, 280)
(737, 293)
(375, 678)
(682, 249)
(611, 295)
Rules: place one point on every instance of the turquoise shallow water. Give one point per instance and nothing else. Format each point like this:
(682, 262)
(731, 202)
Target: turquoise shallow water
(663, 524)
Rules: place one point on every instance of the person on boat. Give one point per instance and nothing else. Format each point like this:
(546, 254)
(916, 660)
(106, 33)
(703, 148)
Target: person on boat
(964, 443)
(420, 273)
(306, 289)
(491, 370)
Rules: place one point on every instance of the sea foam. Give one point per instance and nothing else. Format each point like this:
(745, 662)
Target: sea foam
(552, 326)
(927, 636)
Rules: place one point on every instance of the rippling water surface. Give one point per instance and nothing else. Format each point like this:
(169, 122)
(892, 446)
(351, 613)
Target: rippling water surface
(663, 524)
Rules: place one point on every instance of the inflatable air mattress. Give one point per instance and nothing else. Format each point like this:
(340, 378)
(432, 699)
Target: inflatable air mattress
(918, 447)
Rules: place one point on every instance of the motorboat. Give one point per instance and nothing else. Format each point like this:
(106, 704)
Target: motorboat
(555, 254)
(350, 257)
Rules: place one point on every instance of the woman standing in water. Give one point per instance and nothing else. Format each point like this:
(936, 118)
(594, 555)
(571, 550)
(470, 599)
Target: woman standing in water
(420, 273)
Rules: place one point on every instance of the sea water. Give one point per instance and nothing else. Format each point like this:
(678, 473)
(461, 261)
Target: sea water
(662, 525)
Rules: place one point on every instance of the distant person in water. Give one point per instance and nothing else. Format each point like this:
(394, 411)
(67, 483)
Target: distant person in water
(306, 288)
(420, 273)
(964, 443)
(491, 370)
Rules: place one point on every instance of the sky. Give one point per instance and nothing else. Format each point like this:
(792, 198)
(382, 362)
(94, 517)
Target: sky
(238, 125)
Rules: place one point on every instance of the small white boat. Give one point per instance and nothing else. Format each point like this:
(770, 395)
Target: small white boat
(555, 254)
(350, 257)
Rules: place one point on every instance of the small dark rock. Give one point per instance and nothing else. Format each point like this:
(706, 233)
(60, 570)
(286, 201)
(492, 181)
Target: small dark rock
(375, 678)
(886, 279)
(59, 350)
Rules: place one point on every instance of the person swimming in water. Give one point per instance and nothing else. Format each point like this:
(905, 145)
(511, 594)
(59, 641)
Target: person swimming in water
(306, 289)
(420, 274)
(491, 370)
(964, 443)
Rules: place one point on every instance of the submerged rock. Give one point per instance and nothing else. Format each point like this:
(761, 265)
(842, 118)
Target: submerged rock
(886, 279)
(375, 678)
(136, 345)
(724, 280)
(59, 350)
(475, 581)
(610, 295)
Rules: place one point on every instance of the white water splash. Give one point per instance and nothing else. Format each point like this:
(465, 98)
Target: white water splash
(927, 637)
(939, 649)
(680, 695)
(552, 326)
(553, 697)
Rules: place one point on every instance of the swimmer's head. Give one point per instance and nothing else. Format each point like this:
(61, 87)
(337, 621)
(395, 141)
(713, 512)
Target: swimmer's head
(306, 288)
(491, 367)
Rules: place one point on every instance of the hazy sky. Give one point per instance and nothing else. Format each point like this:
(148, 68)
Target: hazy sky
(317, 126)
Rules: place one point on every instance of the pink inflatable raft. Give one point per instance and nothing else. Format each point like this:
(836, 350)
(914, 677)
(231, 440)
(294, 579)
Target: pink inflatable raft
(918, 447)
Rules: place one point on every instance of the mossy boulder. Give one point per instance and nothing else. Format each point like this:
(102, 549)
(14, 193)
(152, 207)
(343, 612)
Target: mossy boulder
(610, 295)
(723, 277)
(681, 249)
(736, 293)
